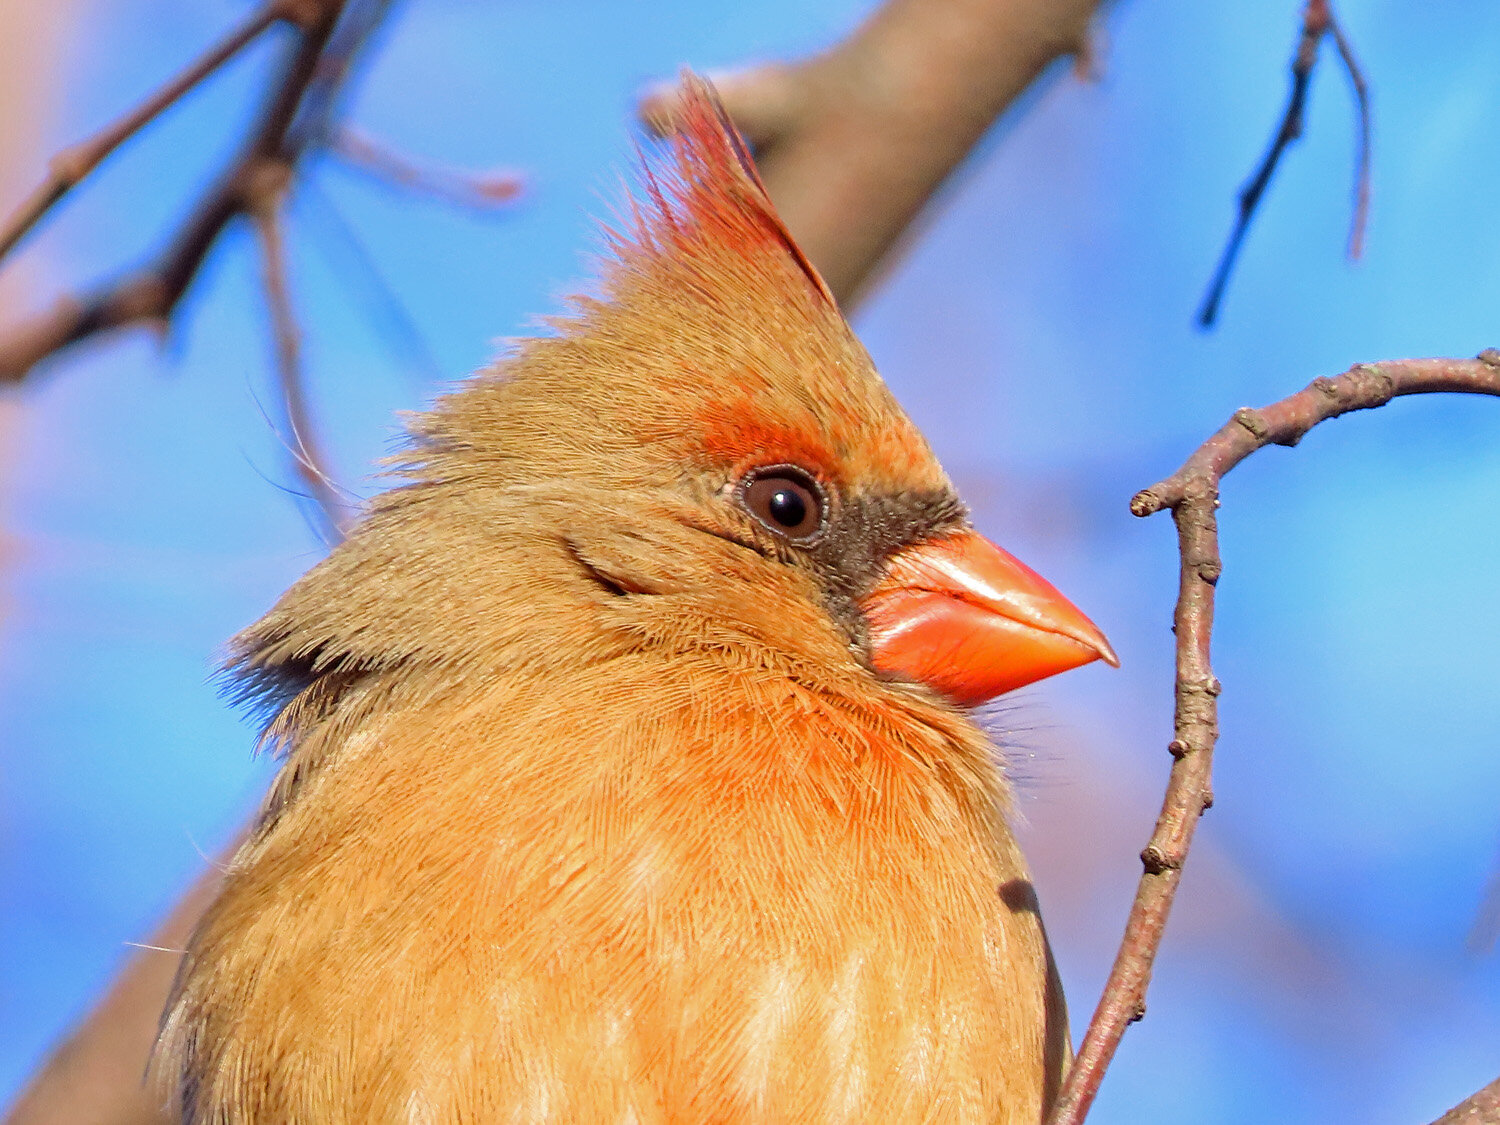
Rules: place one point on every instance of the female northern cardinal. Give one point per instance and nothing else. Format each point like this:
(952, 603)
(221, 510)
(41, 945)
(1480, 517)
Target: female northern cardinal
(629, 776)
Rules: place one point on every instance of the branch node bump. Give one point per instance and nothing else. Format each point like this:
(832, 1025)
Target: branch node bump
(1372, 382)
(1145, 503)
(72, 163)
(1209, 685)
(1252, 421)
(1157, 862)
(1210, 571)
(1193, 496)
(264, 184)
(1138, 1011)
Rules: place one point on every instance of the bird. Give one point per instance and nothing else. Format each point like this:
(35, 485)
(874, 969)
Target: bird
(629, 768)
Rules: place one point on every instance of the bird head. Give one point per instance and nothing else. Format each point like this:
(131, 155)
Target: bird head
(699, 455)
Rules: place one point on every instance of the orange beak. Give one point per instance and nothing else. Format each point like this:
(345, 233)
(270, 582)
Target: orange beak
(971, 621)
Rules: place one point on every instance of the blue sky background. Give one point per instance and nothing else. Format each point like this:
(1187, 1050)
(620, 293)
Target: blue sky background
(1041, 332)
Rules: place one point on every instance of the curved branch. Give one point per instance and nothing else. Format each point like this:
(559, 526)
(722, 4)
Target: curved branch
(1192, 493)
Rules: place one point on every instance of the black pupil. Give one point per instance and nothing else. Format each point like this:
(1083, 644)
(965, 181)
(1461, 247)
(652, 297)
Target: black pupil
(787, 503)
(787, 507)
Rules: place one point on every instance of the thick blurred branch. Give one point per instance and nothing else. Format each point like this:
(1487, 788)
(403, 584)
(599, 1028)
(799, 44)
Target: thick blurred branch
(1192, 493)
(97, 1075)
(852, 143)
(1318, 21)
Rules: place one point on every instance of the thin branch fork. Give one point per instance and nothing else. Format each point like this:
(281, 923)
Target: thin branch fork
(1318, 21)
(68, 168)
(153, 295)
(1192, 493)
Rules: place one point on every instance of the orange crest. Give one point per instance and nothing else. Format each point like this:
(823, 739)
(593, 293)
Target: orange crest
(709, 196)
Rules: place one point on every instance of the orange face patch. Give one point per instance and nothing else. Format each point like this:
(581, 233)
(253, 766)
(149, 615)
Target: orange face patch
(738, 433)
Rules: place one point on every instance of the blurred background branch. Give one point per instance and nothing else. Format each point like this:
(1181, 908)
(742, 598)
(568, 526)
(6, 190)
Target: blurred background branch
(269, 159)
(66, 170)
(327, 35)
(480, 191)
(97, 1074)
(853, 142)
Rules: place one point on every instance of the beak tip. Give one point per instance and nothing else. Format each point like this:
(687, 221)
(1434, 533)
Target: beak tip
(1094, 637)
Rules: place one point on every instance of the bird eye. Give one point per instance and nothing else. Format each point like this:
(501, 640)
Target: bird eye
(785, 499)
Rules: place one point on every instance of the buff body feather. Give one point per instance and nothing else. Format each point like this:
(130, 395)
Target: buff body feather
(591, 814)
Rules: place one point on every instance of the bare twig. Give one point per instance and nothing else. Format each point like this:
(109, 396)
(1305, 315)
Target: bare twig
(853, 143)
(1361, 214)
(1482, 1108)
(478, 190)
(67, 169)
(303, 447)
(268, 157)
(1317, 21)
(1193, 495)
(357, 25)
